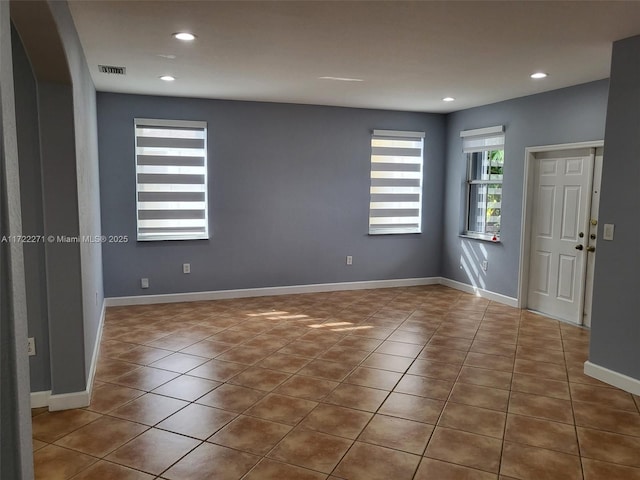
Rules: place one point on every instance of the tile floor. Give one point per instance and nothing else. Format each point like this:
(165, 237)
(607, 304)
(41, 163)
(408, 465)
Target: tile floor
(405, 383)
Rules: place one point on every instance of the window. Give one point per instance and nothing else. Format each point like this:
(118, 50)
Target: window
(484, 148)
(396, 182)
(171, 179)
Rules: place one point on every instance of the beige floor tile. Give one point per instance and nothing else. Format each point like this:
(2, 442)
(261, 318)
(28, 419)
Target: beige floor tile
(110, 471)
(50, 426)
(145, 378)
(268, 469)
(250, 434)
(233, 398)
(186, 387)
(466, 449)
(611, 397)
(197, 421)
(604, 418)
(397, 433)
(210, 461)
(609, 447)
(412, 407)
(532, 463)
(424, 387)
(335, 420)
(259, 378)
(355, 396)
(102, 436)
(281, 409)
(478, 396)
(541, 407)
(309, 388)
(541, 433)
(376, 463)
(597, 470)
(149, 409)
(313, 450)
(431, 469)
(473, 419)
(374, 378)
(154, 451)
(57, 463)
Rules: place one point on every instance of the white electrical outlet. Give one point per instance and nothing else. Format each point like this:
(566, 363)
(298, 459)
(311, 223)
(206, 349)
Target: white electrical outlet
(349, 260)
(144, 283)
(484, 265)
(31, 346)
(186, 268)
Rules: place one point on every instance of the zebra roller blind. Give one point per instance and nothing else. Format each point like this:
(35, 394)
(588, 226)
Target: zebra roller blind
(396, 182)
(171, 179)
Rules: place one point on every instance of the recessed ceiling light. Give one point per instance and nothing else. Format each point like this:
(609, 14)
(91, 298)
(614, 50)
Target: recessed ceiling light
(448, 99)
(184, 36)
(167, 78)
(166, 55)
(342, 79)
(539, 75)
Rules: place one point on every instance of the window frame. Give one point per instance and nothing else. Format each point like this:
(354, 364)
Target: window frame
(404, 168)
(482, 140)
(200, 126)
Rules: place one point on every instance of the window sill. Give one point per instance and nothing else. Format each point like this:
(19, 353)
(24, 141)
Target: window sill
(479, 236)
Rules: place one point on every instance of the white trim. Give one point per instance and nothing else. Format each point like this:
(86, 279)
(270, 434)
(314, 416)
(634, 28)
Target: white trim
(476, 132)
(66, 401)
(527, 209)
(496, 297)
(267, 291)
(619, 380)
(40, 399)
(160, 122)
(96, 350)
(398, 133)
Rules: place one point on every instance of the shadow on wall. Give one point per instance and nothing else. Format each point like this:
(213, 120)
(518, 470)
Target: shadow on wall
(474, 254)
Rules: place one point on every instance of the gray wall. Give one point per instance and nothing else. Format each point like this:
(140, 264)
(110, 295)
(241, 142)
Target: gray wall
(572, 114)
(58, 143)
(288, 198)
(615, 337)
(60, 198)
(28, 134)
(85, 124)
(16, 453)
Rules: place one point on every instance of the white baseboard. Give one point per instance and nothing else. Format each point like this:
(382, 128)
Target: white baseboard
(66, 401)
(496, 297)
(96, 349)
(267, 291)
(40, 399)
(619, 380)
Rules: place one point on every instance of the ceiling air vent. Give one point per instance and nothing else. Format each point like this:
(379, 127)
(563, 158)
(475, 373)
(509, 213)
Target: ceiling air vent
(113, 70)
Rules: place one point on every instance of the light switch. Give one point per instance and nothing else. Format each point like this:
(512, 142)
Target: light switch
(607, 233)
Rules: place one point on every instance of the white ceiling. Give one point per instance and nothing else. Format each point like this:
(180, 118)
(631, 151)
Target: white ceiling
(409, 54)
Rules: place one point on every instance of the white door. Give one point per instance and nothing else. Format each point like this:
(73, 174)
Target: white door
(560, 233)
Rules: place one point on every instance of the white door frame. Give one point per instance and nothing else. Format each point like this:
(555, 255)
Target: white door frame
(527, 209)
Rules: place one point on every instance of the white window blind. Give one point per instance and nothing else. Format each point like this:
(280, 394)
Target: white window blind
(171, 179)
(483, 139)
(396, 182)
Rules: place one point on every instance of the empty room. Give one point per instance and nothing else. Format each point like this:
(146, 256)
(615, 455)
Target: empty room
(355, 240)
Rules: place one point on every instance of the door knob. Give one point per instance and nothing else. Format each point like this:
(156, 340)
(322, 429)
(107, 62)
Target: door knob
(579, 247)
(591, 249)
